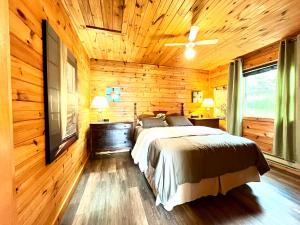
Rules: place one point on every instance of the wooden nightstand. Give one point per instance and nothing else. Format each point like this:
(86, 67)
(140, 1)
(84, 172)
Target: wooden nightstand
(110, 137)
(207, 122)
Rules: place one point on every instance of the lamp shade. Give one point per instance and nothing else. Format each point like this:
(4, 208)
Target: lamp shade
(100, 103)
(208, 103)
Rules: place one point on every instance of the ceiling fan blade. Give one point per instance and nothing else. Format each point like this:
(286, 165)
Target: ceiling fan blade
(193, 33)
(175, 44)
(207, 42)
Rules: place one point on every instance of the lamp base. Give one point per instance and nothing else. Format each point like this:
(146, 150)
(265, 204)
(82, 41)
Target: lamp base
(103, 120)
(100, 117)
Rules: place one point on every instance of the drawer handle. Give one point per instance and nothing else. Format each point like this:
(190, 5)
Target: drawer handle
(125, 142)
(125, 133)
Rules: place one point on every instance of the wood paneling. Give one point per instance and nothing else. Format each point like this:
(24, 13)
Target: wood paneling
(102, 14)
(7, 196)
(151, 87)
(261, 56)
(42, 191)
(218, 77)
(240, 26)
(261, 131)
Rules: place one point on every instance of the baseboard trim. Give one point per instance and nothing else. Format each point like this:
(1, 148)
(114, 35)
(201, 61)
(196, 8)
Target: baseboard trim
(284, 168)
(282, 161)
(64, 205)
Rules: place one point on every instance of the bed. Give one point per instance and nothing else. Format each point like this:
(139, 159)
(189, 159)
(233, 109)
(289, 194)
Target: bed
(184, 163)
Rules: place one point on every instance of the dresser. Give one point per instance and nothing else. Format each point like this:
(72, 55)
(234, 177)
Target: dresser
(110, 137)
(207, 122)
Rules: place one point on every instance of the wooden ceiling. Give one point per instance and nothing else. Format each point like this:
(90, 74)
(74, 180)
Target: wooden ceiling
(102, 14)
(240, 26)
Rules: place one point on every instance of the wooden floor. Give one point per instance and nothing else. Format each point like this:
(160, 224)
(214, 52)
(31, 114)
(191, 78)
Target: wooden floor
(112, 190)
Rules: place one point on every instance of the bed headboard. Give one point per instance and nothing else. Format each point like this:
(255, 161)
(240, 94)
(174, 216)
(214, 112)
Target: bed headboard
(135, 116)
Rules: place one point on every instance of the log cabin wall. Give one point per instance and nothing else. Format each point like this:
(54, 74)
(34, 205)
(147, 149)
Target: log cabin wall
(42, 191)
(258, 129)
(151, 87)
(218, 77)
(7, 172)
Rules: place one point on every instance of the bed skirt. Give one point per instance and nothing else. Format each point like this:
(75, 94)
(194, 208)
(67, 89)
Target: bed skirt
(210, 186)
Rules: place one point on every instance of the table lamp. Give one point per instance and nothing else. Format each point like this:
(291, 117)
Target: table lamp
(208, 103)
(100, 103)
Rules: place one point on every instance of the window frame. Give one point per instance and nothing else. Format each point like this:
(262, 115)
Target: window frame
(252, 72)
(260, 69)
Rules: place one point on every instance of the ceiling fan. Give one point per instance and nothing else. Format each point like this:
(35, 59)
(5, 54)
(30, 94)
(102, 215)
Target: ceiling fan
(190, 51)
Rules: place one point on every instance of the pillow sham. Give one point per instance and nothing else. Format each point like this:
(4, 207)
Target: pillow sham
(178, 121)
(152, 122)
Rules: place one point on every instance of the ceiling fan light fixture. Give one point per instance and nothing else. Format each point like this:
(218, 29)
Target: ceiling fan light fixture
(189, 53)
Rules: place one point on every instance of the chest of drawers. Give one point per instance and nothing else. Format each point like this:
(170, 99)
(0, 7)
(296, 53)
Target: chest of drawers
(109, 137)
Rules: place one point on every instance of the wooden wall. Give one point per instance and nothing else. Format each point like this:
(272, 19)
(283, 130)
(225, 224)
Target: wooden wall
(261, 56)
(151, 87)
(260, 130)
(41, 190)
(257, 129)
(218, 77)
(7, 202)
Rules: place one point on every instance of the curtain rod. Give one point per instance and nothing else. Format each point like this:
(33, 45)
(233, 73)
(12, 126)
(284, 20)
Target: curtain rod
(291, 39)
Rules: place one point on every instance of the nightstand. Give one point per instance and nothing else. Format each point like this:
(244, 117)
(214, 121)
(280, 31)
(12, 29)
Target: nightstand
(207, 122)
(110, 137)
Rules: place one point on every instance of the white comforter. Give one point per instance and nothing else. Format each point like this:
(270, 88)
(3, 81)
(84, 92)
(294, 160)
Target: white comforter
(140, 150)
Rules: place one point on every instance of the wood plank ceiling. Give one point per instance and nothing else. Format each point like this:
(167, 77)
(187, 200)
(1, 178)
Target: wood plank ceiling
(102, 14)
(146, 25)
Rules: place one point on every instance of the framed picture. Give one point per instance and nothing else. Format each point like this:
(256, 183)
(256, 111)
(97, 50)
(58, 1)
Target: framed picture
(197, 96)
(220, 96)
(113, 94)
(60, 88)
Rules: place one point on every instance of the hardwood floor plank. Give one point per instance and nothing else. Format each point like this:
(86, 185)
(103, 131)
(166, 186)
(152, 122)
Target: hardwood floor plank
(74, 203)
(114, 191)
(139, 215)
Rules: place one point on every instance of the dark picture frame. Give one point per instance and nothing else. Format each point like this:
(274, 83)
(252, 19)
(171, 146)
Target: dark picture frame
(60, 94)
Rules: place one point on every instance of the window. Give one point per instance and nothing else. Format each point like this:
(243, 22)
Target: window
(260, 91)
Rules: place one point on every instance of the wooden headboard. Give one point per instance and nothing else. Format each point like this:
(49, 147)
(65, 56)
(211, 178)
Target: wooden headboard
(135, 116)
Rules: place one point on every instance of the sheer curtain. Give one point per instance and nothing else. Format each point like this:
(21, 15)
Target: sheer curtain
(287, 128)
(234, 97)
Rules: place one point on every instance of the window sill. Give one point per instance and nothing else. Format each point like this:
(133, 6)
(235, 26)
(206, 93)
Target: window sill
(259, 119)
